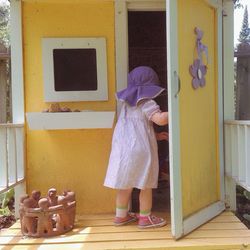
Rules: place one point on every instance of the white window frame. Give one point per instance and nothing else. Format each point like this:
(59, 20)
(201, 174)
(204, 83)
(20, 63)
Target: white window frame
(99, 44)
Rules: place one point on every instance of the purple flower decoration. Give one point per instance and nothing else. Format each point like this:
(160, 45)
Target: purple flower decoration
(199, 33)
(198, 72)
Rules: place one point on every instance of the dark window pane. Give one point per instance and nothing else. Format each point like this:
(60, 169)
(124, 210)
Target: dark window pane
(75, 69)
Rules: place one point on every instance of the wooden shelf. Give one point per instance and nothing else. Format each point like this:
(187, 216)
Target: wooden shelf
(70, 120)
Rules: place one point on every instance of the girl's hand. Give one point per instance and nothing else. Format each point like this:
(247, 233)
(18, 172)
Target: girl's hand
(160, 118)
(162, 136)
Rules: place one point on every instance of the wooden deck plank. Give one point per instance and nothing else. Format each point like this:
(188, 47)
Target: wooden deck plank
(126, 236)
(225, 219)
(86, 223)
(204, 244)
(81, 228)
(86, 236)
(111, 216)
(223, 226)
(94, 230)
(219, 234)
(223, 232)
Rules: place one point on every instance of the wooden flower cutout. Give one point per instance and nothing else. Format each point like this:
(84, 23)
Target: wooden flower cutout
(198, 72)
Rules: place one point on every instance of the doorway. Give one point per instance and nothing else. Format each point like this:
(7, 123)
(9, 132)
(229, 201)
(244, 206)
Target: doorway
(147, 47)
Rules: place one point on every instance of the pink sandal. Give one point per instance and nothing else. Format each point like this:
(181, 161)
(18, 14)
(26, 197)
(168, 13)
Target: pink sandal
(151, 221)
(119, 221)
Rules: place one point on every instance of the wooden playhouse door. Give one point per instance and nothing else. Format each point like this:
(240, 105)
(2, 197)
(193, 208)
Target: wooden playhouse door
(196, 117)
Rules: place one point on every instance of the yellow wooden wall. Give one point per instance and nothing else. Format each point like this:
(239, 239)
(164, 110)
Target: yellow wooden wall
(198, 109)
(68, 159)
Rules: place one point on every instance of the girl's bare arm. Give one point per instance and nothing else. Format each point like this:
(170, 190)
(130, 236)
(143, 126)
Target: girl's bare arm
(160, 118)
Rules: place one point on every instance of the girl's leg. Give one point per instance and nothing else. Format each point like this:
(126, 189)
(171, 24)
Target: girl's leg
(146, 220)
(122, 203)
(123, 198)
(145, 202)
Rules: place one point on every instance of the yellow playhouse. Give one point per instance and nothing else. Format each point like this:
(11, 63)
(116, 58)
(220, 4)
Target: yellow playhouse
(105, 39)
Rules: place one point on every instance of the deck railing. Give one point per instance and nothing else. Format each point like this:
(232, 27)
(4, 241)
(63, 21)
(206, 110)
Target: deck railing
(237, 151)
(11, 155)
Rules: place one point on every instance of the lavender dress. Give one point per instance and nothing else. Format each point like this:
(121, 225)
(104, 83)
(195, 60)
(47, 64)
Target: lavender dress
(134, 158)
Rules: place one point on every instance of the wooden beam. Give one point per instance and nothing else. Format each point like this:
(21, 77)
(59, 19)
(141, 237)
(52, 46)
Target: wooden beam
(3, 92)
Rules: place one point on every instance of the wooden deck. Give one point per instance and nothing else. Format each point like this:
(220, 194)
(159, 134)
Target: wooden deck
(97, 232)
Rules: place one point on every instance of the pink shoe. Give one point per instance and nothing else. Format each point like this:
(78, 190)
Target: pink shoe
(119, 221)
(151, 221)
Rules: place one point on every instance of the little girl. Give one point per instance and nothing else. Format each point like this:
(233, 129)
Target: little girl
(133, 160)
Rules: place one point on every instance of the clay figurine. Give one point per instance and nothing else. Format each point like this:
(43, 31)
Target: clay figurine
(28, 224)
(43, 217)
(35, 196)
(44, 225)
(52, 197)
(63, 220)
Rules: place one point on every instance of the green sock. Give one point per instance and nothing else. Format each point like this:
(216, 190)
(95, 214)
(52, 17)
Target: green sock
(145, 213)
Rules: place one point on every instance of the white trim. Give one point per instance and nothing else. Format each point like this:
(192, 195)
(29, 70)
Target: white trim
(17, 61)
(220, 100)
(4, 189)
(230, 196)
(214, 3)
(228, 64)
(228, 59)
(70, 120)
(20, 190)
(3, 157)
(121, 46)
(201, 217)
(137, 5)
(121, 34)
(237, 122)
(11, 155)
(97, 43)
(173, 109)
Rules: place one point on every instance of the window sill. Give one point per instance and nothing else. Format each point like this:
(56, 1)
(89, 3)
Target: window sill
(70, 120)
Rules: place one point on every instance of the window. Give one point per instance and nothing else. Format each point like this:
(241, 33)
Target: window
(75, 69)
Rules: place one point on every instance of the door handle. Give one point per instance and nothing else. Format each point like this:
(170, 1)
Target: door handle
(179, 84)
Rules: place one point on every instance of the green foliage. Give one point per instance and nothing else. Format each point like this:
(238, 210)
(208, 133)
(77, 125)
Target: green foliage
(247, 194)
(4, 24)
(245, 31)
(4, 200)
(5, 211)
(237, 4)
(246, 216)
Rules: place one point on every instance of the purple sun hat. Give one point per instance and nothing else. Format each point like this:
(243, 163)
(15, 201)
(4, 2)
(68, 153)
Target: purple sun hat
(143, 83)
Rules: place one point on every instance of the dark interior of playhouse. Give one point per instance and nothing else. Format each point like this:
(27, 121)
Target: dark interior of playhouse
(147, 47)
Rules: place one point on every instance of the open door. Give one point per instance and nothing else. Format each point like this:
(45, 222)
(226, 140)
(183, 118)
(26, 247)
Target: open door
(196, 117)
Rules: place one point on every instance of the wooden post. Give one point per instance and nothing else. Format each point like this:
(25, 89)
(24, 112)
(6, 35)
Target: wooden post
(4, 56)
(3, 93)
(243, 82)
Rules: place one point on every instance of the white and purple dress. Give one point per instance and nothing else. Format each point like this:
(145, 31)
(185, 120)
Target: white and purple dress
(133, 160)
